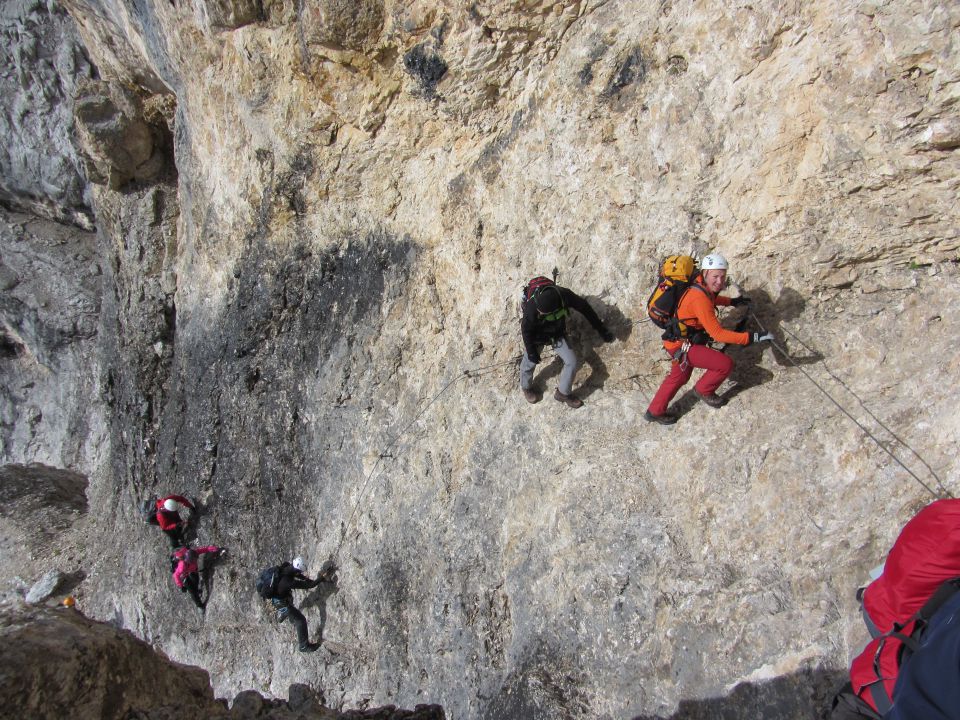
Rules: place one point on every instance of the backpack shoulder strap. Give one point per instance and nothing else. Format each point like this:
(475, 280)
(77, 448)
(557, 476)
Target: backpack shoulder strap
(698, 286)
(940, 596)
(878, 693)
(688, 288)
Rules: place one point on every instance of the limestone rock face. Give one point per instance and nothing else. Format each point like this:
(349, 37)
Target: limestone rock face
(308, 321)
(41, 505)
(41, 60)
(58, 661)
(51, 410)
(214, 15)
(119, 144)
(347, 24)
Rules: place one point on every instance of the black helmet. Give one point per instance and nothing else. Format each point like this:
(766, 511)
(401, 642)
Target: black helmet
(548, 300)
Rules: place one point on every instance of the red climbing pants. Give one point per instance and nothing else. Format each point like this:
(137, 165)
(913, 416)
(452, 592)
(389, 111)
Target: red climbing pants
(717, 365)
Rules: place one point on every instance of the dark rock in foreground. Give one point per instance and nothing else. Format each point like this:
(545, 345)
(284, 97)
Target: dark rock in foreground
(56, 663)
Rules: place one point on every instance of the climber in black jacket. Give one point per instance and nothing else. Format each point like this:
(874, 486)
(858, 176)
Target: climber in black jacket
(292, 578)
(545, 308)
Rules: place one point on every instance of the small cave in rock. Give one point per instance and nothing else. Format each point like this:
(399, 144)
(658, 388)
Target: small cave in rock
(426, 65)
(631, 70)
(677, 65)
(9, 347)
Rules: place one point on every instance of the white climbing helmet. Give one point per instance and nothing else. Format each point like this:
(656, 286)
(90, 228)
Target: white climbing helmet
(714, 261)
(170, 505)
(299, 564)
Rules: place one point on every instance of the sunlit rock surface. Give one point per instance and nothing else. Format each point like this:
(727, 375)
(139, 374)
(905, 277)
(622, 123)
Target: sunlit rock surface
(350, 199)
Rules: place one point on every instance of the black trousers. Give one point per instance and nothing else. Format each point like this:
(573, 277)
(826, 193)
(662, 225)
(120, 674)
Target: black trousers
(300, 623)
(287, 610)
(191, 584)
(175, 536)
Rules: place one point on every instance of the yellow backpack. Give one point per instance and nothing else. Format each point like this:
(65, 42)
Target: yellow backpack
(676, 274)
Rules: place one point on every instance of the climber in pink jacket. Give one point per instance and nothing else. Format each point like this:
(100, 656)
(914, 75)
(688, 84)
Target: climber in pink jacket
(186, 574)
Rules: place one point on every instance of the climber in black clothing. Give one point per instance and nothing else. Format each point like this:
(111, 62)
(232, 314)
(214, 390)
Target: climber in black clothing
(291, 577)
(545, 307)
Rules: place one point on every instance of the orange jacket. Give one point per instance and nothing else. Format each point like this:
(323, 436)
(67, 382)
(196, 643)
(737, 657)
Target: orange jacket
(698, 311)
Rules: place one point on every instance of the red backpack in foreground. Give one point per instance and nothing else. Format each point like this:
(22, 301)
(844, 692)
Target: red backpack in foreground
(898, 604)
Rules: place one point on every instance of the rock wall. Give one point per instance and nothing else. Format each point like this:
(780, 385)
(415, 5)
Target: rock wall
(41, 60)
(337, 209)
(50, 406)
(41, 505)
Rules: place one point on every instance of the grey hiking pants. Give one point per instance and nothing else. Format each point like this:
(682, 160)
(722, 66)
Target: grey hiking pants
(565, 381)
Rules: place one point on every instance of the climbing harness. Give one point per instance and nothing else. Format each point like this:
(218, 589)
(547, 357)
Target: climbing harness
(680, 356)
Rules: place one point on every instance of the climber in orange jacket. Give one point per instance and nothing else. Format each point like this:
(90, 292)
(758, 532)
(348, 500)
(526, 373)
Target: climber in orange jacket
(697, 315)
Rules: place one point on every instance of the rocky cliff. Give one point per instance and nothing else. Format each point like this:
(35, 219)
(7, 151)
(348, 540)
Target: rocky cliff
(312, 218)
(58, 663)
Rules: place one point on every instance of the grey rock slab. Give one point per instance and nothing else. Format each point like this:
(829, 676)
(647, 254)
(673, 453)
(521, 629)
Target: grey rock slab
(44, 587)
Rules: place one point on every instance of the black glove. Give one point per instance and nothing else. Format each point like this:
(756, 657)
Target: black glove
(738, 301)
(607, 335)
(759, 337)
(534, 357)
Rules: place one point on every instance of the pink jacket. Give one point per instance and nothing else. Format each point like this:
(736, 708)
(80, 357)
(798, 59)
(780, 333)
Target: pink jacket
(188, 561)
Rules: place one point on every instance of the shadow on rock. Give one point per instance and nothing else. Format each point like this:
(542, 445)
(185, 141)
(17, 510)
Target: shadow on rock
(805, 695)
(620, 325)
(208, 568)
(318, 599)
(765, 314)
(588, 342)
(685, 403)
(746, 376)
(70, 582)
(552, 366)
(770, 314)
(191, 528)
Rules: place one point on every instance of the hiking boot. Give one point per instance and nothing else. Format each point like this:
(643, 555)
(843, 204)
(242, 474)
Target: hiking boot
(711, 399)
(310, 647)
(571, 400)
(665, 419)
(531, 397)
